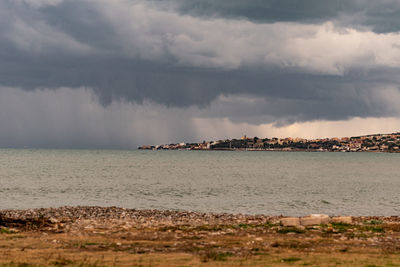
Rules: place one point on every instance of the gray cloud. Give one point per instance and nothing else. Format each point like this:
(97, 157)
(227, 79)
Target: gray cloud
(268, 11)
(255, 61)
(381, 16)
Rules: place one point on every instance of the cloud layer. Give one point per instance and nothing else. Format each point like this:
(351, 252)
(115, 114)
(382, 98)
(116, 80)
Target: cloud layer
(258, 63)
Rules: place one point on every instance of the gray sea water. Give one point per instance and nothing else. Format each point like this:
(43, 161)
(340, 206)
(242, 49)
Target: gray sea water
(251, 182)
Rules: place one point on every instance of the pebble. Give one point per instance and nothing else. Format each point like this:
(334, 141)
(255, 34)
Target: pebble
(86, 215)
(94, 217)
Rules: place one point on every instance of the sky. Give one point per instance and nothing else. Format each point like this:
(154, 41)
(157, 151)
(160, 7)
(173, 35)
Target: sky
(118, 74)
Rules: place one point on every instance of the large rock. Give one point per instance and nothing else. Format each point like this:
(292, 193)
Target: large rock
(343, 219)
(314, 219)
(290, 221)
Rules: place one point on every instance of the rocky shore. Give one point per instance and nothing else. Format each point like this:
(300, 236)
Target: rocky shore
(142, 218)
(88, 235)
(157, 217)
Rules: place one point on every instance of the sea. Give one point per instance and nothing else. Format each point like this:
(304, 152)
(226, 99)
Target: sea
(248, 182)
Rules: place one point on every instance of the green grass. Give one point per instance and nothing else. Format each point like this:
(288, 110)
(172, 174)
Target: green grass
(342, 227)
(62, 262)
(5, 230)
(269, 225)
(290, 259)
(91, 244)
(375, 229)
(216, 256)
(20, 264)
(286, 230)
(245, 225)
(373, 222)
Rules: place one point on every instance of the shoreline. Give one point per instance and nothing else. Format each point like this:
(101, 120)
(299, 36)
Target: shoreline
(104, 236)
(275, 150)
(71, 213)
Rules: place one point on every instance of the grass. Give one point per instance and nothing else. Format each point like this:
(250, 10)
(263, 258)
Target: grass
(216, 256)
(247, 244)
(290, 259)
(391, 227)
(62, 262)
(91, 244)
(187, 228)
(5, 230)
(369, 227)
(245, 225)
(375, 229)
(216, 228)
(208, 257)
(373, 222)
(286, 230)
(342, 227)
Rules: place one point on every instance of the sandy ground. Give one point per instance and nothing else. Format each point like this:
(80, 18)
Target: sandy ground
(95, 236)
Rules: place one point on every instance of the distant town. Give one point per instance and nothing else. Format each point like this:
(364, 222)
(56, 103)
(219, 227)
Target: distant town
(367, 143)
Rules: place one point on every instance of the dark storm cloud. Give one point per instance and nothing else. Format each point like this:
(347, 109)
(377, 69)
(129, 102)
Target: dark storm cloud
(299, 97)
(189, 53)
(268, 11)
(309, 96)
(382, 16)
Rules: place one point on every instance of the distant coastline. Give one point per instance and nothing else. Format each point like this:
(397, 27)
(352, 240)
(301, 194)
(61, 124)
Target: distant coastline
(365, 143)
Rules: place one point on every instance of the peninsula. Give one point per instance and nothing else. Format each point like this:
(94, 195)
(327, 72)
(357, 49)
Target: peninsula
(371, 143)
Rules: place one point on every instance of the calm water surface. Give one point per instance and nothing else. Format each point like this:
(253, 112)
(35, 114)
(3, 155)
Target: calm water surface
(236, 182)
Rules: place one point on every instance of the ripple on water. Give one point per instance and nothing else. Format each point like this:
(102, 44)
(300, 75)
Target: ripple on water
(247, 182)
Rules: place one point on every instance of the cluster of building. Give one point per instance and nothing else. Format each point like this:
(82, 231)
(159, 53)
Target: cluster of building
(375, 142)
